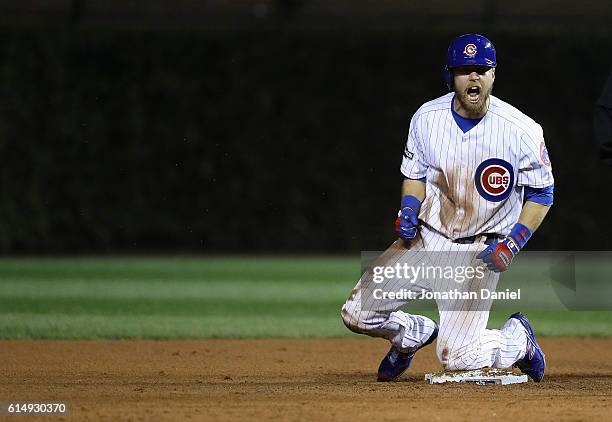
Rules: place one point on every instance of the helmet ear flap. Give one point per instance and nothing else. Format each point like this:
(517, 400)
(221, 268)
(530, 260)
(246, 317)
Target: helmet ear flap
(449, 77)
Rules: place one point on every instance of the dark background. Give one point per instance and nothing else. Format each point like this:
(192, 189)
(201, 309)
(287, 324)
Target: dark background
(270, 126)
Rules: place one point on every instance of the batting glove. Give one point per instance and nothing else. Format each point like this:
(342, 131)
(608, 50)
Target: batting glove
(498, 256)
(408, 218)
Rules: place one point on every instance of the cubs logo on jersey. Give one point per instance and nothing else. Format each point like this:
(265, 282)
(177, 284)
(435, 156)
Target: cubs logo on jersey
(494, 179)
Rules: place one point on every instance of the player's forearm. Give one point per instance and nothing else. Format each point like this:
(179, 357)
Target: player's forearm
(532, 215)
(413, 187)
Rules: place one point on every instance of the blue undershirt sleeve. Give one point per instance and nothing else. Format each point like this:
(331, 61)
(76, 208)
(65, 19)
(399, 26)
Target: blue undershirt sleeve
(543, 196)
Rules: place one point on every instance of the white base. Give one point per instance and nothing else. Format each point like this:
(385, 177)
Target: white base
(477, 376)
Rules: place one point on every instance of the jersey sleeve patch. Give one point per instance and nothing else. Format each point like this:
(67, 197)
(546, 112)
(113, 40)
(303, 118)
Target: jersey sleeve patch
(544, 155)
(408, 154)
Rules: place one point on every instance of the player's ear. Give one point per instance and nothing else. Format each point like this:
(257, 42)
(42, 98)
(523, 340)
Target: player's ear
(493, 73)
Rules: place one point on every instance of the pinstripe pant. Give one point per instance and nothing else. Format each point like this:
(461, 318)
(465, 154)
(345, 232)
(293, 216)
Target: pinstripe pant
(463, 341)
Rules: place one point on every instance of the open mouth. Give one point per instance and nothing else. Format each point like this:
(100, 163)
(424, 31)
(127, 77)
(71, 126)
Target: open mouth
(473, 93)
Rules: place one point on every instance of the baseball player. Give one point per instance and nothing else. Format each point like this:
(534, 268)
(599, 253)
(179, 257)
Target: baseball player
(478, 183)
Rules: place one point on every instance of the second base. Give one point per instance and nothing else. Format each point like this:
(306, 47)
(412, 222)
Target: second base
(477, 376)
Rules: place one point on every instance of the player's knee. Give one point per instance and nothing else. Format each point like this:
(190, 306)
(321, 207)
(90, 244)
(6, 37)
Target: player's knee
(457, 359)
(460, 363)
(352, 317)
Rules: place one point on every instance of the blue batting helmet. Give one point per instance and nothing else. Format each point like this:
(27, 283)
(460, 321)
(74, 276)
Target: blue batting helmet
(468, 50)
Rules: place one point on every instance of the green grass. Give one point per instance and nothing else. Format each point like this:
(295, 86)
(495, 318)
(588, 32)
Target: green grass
(211, 297)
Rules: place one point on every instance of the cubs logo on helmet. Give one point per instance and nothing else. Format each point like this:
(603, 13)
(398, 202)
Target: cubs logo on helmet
(494, 179)
(470, 50)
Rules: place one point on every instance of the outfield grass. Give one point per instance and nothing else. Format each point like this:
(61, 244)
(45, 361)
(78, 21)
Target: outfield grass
(212, 297)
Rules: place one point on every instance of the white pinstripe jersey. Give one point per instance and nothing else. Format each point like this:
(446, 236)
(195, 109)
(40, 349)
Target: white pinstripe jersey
(475, 180)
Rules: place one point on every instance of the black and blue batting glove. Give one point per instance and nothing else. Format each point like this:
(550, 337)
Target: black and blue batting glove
(408, 218)
(498, 256)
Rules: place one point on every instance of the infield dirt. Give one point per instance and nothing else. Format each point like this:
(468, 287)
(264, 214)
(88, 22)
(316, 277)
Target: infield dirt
(289, 380)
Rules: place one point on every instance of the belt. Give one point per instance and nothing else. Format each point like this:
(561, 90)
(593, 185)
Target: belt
(490, 238)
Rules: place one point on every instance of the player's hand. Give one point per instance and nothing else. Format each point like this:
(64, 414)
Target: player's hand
(499, 256)
(408, 218)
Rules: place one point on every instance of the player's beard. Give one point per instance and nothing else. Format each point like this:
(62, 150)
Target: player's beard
(478, 108)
